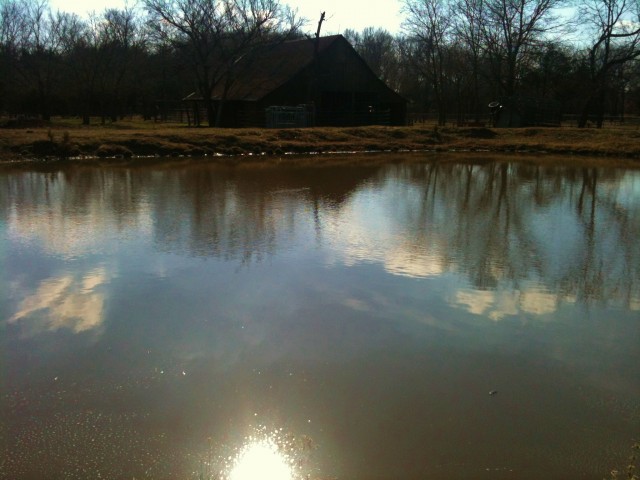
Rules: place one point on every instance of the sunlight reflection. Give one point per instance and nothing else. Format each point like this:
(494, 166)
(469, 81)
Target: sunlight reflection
(262, 459)
(275, 455)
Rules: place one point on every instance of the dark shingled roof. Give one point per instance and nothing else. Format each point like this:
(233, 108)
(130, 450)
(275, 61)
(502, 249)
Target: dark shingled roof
(260, 73)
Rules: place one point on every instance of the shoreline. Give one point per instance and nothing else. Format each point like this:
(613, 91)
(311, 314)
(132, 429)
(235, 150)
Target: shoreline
(147, 142)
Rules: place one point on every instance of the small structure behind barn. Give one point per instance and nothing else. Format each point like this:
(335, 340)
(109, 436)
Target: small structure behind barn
(300, 83)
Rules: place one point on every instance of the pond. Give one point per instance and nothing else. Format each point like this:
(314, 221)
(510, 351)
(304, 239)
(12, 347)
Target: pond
(406, 320)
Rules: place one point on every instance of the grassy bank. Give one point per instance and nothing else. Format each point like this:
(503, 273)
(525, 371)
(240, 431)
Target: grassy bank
(137, 139)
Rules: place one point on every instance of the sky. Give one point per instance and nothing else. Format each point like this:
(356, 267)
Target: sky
(340, 14)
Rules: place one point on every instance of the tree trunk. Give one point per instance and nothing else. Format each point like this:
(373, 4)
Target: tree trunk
(593, 105)
(584, 114)
(43, 102)
(219, 113)
(211, 112)
(600, 108)
(475, 104)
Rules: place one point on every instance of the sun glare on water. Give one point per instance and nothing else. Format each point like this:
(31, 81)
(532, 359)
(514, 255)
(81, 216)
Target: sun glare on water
(261, 459)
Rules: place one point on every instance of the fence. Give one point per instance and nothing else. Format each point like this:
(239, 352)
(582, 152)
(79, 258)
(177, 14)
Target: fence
(290, 117)
(472, 120)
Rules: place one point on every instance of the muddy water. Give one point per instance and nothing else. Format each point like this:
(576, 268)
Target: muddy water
(400, 321)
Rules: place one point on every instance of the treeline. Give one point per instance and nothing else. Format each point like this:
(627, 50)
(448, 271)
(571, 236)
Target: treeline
(454, 57)
(121, 62)
(451, 59)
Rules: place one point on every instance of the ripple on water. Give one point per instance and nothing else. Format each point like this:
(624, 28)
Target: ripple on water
(85, 444)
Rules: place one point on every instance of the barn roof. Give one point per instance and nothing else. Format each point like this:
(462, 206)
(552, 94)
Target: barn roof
(262, 71)
(271, 67)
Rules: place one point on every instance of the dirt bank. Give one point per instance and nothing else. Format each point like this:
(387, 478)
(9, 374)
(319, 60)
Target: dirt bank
(140, 140)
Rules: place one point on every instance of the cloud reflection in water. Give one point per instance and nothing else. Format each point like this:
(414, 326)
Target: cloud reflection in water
(498, 304)
(64, 302)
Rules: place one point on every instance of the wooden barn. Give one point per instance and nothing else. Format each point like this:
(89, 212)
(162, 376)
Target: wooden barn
(305, 83)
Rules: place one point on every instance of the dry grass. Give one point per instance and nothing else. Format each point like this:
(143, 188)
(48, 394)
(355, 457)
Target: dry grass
(134, 138)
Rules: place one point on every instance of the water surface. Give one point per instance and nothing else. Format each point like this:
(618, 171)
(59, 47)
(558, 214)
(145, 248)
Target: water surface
(151, 319)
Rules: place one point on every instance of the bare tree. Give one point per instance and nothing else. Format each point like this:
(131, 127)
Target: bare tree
(99, 54)
(88, 61)
(32, 40)
(553, 72)
(378, 48)
(468, 27)
(13, 24)
(510, 28)
(122, 38)
(429, 23)
(613, 25)
(11, 19)
(215, 34)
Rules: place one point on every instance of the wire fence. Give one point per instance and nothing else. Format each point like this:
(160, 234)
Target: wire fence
(474, 120)
(298, 118)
